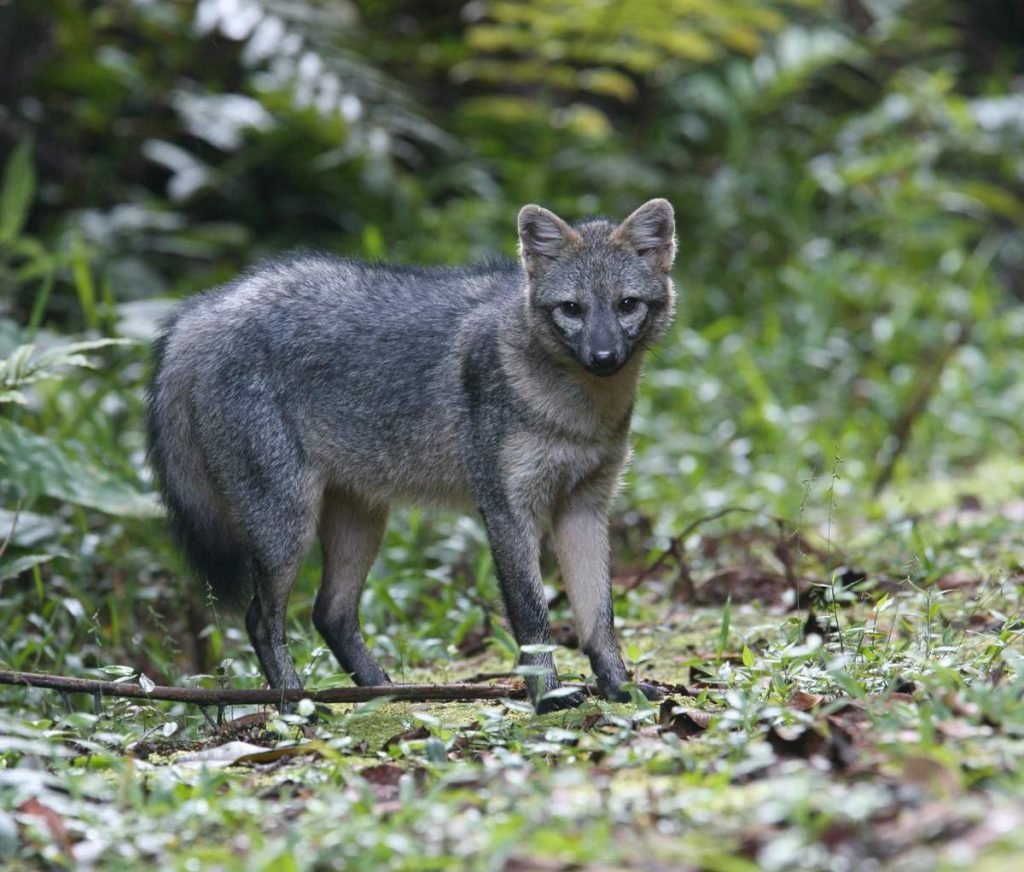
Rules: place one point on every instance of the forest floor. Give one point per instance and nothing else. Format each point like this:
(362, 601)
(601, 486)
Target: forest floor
(825, 715)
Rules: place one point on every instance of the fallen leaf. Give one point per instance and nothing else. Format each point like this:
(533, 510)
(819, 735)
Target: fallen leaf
(52, 820)
(931, 775)
(407, 736)
(834, 743)
(221, 755)
(383, 781)
(802, 701)
(684, 723)
(384, 774)
(281, 753)
(960, 707)
(802, 742)
(959, 579)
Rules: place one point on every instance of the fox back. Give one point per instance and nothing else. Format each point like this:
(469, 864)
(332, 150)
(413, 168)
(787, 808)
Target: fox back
(314, 392)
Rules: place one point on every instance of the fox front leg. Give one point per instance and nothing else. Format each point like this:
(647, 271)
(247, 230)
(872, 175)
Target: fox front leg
(581, 541)
(516, 550)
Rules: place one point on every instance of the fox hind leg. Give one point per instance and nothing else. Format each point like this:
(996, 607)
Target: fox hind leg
(278, 519)
(265, 622)
(351, 531)
(273, 578)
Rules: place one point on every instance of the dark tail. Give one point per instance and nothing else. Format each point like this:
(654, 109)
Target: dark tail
(199, 520)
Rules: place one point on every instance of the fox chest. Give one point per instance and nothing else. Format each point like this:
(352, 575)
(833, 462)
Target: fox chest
(539, 471)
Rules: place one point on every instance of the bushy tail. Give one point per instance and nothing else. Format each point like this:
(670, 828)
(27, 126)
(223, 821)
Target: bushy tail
(200, 523)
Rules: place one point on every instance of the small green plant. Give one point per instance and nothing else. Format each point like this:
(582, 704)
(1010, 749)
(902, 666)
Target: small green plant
(27, 365)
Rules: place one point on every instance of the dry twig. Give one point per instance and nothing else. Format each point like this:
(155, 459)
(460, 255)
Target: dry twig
(206, 696)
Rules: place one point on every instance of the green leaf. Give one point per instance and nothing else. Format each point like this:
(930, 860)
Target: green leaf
(8, 395)
(15, 369)
(505, 640)
(748, 657)
(84, 284)
(15, 566)
(71, 355)
(30, 530)
(435, 749)
(38, 465)
(19, 187)
(23, 366)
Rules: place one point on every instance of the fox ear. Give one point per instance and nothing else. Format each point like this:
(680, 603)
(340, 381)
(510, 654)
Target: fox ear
(651, 232)
(542, 235)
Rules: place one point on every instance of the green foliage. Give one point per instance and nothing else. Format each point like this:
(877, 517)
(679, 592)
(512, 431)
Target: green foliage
(19, 184)
(41, 467)
(24, 366)
(849, 200)
(598, 48)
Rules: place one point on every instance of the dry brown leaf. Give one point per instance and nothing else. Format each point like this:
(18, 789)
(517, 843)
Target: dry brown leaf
(959, 579)
(932, 775)
(801, 742)
(384, 780)
(407, 736)
(53, 821)
(803, 701)
(684, 723)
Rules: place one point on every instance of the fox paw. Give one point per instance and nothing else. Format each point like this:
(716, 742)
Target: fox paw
(651, 691)
(559, 701)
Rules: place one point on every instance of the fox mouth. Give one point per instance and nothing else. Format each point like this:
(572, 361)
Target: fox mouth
(604, 370)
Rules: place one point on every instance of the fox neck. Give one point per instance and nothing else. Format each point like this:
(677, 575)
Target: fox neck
(566, 396)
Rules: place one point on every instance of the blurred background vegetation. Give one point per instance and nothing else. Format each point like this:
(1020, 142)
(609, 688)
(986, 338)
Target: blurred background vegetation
(848, 179)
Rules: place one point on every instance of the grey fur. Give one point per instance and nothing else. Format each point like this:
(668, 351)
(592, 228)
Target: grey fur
(312, 393)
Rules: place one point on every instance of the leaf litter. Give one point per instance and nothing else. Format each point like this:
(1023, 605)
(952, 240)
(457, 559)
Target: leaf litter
(793, 720)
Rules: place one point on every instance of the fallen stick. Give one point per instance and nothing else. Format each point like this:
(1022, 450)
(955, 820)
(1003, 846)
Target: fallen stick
(206, 696)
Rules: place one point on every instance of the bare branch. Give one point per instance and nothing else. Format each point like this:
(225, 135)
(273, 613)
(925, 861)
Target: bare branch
(206, 696)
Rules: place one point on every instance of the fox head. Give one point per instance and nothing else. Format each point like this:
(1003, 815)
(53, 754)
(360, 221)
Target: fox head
(598, 293)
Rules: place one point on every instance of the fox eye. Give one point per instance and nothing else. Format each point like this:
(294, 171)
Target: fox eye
(571, 309)
(628, 305)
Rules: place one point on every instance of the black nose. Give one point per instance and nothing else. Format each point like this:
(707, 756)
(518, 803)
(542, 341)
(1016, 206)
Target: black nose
(603, 361)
